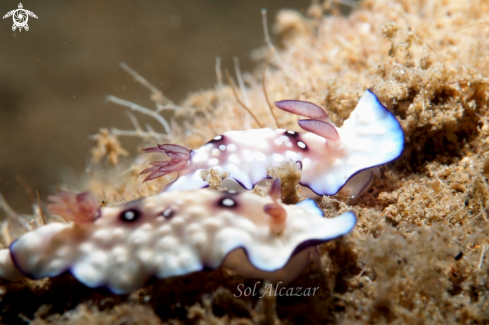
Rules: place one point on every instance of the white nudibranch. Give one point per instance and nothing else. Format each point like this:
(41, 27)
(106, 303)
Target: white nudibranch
(172, 234)
(330, 157)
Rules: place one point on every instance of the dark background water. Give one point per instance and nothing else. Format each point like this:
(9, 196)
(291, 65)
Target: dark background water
(54, 77)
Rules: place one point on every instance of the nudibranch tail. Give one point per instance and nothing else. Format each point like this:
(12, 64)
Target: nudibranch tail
(370, 137)
(179, 156)
(79, 208)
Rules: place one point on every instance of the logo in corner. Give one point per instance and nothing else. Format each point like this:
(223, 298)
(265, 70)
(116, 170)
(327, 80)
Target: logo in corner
(20, 16)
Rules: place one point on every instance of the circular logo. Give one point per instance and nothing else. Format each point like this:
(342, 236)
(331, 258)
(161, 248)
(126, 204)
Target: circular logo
(20, 17)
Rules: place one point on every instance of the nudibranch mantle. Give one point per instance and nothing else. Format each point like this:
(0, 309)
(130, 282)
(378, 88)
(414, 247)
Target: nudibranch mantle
(370, 137)
(176, 233)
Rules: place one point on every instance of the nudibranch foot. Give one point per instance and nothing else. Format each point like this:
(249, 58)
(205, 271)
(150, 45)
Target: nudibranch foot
(8, 270)
(177, 233)
(329, 156)
(237, 261)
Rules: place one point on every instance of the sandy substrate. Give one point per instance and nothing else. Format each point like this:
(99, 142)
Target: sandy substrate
(417, 255)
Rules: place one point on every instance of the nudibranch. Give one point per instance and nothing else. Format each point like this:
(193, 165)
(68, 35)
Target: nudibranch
(328, 156)
(172, 234)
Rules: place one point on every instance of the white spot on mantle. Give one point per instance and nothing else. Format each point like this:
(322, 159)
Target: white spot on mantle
(278, 158)
(233, 158)
(248, 156)
(260, 156)
(231, 147)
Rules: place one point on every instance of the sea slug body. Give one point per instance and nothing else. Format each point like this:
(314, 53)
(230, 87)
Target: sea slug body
(172, 234)
(329, 156)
